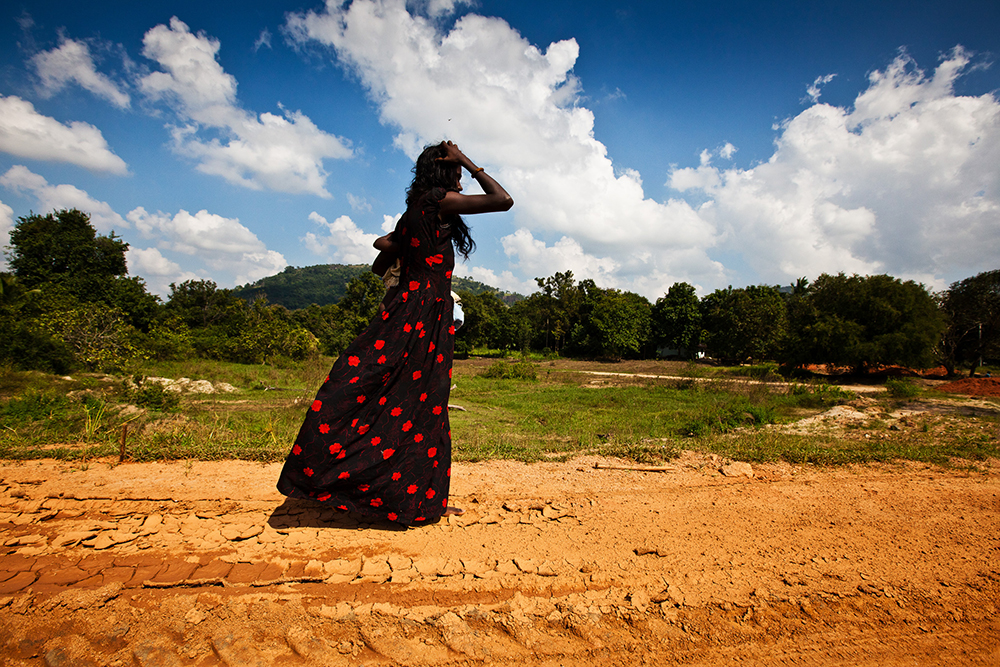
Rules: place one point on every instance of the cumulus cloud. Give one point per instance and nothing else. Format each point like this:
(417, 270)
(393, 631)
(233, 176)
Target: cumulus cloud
(6, 224)
(906, 182)
(26, 133)
(71, 62)
(283, 152)
(157, 270)
(22, 180)
(341, 241)
(220, 243)
(515, 107)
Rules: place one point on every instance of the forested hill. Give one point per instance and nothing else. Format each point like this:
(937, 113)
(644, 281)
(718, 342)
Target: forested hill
(324, 284)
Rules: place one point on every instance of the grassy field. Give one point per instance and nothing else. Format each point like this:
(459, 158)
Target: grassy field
(563, 412)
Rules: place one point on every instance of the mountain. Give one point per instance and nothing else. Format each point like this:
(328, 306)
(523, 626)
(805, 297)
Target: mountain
(323, 284)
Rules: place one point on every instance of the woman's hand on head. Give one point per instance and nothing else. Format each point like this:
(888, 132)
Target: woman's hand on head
(452, 154)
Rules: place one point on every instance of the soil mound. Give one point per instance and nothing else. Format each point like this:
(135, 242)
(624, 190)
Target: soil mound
(973, 387)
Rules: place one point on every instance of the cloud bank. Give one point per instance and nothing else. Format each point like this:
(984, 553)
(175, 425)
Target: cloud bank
(50, 198)
(26, 133)
(904, 182)
(71, 62)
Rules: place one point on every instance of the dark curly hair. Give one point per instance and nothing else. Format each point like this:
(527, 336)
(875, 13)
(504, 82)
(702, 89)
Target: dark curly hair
(430, 173)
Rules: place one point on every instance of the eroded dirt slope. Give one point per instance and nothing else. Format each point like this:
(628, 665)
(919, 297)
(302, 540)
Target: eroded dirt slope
(554, 564)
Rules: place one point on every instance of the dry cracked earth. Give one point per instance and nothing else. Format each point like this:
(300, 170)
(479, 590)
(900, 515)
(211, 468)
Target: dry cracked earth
(204, 563)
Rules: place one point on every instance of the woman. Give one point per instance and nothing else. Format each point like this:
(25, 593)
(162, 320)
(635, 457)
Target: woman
(376, 440)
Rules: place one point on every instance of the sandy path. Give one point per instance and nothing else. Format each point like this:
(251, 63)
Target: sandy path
(554, 564)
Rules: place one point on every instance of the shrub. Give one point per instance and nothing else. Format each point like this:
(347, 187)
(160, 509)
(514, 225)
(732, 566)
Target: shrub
(901, 388)
(504, 370)
(150, 395)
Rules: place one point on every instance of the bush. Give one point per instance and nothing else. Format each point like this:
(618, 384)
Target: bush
(504, 370)
(820, 396)
(150, 395)
(901, 388)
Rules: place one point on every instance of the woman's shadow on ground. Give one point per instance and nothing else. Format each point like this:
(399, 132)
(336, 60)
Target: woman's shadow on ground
(299, 513)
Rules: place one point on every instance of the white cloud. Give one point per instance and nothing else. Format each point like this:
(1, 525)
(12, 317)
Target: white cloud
(22, 180)
(157, 270)
(26, 133)
(814, 90)
(341, 241)
(514, 106)
(221, 243)
(71, 62)
(264, 39)
(358, 203)
(6, 224)
(283, 153)
(389, 222)
(907, 183)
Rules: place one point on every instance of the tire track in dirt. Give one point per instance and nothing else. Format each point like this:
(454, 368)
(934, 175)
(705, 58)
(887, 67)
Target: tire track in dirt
(554, 563)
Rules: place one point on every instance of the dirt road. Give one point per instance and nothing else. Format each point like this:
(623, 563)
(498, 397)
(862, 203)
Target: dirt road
(554, 564)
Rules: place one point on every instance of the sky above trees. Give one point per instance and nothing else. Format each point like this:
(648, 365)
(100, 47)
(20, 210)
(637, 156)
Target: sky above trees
(644, 143)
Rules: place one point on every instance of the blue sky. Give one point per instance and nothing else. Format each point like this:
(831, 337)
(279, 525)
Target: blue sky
(644, 143)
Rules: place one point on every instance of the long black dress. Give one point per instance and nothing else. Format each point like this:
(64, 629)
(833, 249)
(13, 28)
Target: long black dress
(377, 440)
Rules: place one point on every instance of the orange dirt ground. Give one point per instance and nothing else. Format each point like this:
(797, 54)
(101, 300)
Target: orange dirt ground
(204, 563)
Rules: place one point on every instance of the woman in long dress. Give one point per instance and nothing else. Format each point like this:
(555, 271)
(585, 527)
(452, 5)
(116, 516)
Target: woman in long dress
(376, 439)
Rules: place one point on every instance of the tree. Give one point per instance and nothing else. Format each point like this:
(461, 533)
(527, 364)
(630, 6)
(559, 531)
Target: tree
(484, 320)
(972, 307)
(676, 320)
(63, 248)
(743, 324)
(863, 322)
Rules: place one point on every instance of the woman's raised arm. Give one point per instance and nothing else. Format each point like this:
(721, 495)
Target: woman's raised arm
(495, 199)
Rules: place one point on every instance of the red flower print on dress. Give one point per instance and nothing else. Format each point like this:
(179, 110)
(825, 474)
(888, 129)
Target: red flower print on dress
(342, 454)
(386, 453)
(436, 410)
(385, 314)
(440, 358)
(342, 507)
(379, 344)
(420, 518)
(376, 502)
(353, 361)
(407, 426)
(420, 325)
(430, 493)
(415, 242)
(414, 285)
(404, 295)
(444, 503)
(324, 428)
(448, 474)
(411, 489)
(382, 401)
(363, 429)
(435, 464)
(432, 452)
(396, 476)
(447, 274)
(344, 475)
(296, 450)
(451, 330)
(407, 328)
(418, 437)
(324, 497)
(391, 516)
(361, 398)
(395, 412)
(334, 448)
(376, 440)
(381, 359)
(317, 404)
(354, 423)
(308, 472)
(354, 379)
(364, 487)
(416, 375)
(434, 259)
(385, 378)
(449, 372)
(430, 348)
(422, 332)
(423, 397)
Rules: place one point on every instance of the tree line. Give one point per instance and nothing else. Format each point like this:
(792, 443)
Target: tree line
(68, 303)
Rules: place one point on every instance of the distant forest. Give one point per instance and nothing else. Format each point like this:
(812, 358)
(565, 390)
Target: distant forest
(325, 284)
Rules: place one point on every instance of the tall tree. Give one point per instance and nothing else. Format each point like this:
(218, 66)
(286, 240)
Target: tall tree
(972, 307)
(864, 322)
(676, 319)
(742, 324)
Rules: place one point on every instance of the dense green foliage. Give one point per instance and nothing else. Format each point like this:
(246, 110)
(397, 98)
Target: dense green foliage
(676, 319)
(744, 324)
(972, 307)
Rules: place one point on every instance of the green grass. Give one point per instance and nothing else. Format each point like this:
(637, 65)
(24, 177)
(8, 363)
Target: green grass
(561, 414)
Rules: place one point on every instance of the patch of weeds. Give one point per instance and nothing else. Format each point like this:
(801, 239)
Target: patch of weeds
(641, 452)
(767, 372)
(901, 388)
(819, 395)
(505, 370)
(33, 406)
(724, 417)
(150, 395)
